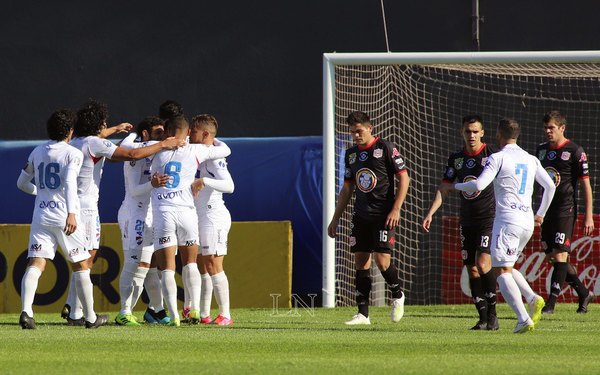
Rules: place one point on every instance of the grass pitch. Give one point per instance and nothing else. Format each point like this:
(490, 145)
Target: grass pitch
(428, 340)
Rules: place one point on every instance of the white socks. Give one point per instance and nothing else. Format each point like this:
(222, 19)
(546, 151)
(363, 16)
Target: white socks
(169, 288)
(29, 285)
(206, 292)
(85, 293)
(192, 282)
(154, 290)
(73, 300)
(126, 286)
(524, 286)
(512, 296)
(221, 289)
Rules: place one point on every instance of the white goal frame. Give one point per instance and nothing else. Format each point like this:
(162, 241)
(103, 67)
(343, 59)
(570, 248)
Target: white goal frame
(331, 60)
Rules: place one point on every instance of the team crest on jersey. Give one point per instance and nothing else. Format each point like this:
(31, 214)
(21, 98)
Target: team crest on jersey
(450, 172)
(565, 155)
(470, 163)
(395, 152)
(377, 153)
(132, 163)
(352, 158)
(458, 163)
(348, 173)
(554, 175)
(366, 180)
(363, 156)
(583, 157)
(551, 155)
(108, 143)
(470, 194)
(541, 155)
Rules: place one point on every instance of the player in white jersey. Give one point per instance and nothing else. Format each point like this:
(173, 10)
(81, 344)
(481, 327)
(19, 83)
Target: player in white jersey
(214, 222)
(175, 219)
(135, 221)
(91, 121)
(55, 166)
(514, 172)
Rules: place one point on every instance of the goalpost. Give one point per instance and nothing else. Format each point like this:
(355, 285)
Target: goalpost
(416, 101)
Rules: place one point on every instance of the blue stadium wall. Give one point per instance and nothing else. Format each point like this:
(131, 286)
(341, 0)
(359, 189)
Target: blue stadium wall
(275, 179)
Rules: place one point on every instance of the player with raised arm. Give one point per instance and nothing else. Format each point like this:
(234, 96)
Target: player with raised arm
(91, 122)
(135, 221)
(372, 165)
(214, 222)
(55, 166)
(175, 218)
(476, 219)
(567, 164)
(513, 172)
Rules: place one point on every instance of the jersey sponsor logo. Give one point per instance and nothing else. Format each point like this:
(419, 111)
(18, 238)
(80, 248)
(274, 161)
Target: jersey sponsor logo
(458, 163)
(73, 252)
(565, 155)
(470, 195)
(169, 195)
(554, 175)
(583, 157)
(366, 180)
(363, 156)
(400, 162)
(108, 143)
(395, 152)
(377, 153)
(36, 247)
(190, 243)
(551, 155)
(352, 158)
(164, 240)
(541, 155)
(470, 163)
(52, 204)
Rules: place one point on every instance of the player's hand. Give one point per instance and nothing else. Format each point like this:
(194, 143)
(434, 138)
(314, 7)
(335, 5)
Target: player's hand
(197, 185)
(159, 180)
(426, 223)
(393, 219)
(538, 220)
(588, 228)
(123, 127)
(332, 228)
(71, 224)
(446, 188)
(172, 143)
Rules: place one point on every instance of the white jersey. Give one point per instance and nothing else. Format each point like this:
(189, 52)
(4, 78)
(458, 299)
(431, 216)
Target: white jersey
(94, 150)
(181, 166)
(217, 181)
(513, 171)
(55, 166)
(137, 176)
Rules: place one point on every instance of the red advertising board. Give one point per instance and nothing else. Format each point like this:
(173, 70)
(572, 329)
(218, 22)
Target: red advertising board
(585, 256)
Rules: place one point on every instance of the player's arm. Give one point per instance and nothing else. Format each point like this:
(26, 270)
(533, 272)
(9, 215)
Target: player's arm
(485, 178)
(393, 217)
(542, 178)
(125, 154)
(340, 207)
(435, 205)
(24, 181)
(218, 150)
(121, 128)
(71, 198)
(588, 229)
(222, 182)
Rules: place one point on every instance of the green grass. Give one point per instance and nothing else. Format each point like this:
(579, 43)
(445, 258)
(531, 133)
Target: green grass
(428, 340)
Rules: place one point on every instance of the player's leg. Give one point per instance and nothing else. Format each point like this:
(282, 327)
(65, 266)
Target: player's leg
(362, 244)
(585, 295)
(556, 239)
(191, 278)
(155, 313)
(132, 229)
(470, 241)
(488, 277)
(165, 244)
(206, 291)
(221, 289)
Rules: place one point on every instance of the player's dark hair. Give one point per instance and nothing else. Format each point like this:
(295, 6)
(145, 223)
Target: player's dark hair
(176, 123)
(91, 118)
(60, 124)
(170, 109)
(148, 123)
(205, 120)
(358, 117)
(509, 128)
(555, 116)
(470, 119)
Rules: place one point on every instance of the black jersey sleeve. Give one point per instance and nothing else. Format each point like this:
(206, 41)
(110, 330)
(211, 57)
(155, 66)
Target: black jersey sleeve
(450, 170)
(580, 167)
(396, 160)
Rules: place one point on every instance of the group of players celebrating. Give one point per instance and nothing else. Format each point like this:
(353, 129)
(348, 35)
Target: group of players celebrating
(495, 222)
(175, 175)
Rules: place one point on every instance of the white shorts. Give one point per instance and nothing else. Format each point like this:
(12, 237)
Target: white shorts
(213, 227)
(175, 228)
(43, 240)
(508, 241)
(90, 221)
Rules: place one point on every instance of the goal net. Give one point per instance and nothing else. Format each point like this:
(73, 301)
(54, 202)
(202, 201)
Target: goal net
(417, 101)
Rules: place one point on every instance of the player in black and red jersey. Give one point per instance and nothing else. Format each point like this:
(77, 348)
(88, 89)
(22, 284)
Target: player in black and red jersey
(476, 218)
(567, 164)
(372, 165)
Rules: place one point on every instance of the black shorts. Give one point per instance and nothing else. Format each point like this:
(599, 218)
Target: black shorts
(473, 239)
(371, 236)
(557, 234)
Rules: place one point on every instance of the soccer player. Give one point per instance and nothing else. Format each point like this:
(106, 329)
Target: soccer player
(55, 166)
(170, 109)
(91, 121)
(214, 222)
(135, 221)
(476, 219)
(372, 165)
(513, 172)
(566, 163)
(175, 218)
